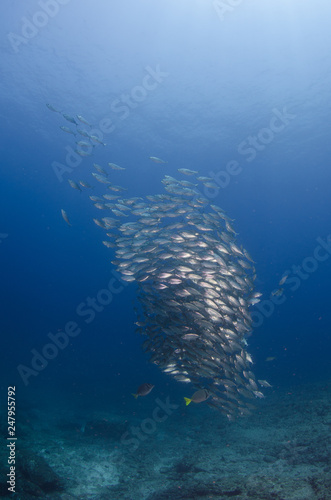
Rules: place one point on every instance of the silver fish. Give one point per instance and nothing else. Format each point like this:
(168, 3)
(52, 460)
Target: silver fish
(187, 171)
(85, 184)
(100, 169)
(65, 216)
(100, 178)
(264, 383)
(83, 133)
(74, 185)
(82, 153)
(113, 166)
(69, 118)
(155, 159)
(51, 108)
(83, 144)
(96, 139)
(96, 198)
(67, 130)
(82, 120)
(282, 281)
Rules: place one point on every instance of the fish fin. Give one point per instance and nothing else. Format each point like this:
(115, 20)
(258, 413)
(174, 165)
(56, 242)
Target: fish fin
(135, 395)
(187, 401)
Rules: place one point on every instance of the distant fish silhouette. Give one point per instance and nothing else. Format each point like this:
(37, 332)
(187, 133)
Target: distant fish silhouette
(51, 108)
(282, 281)
(278, 292)
(143, 390)
(65, 216)
(155, 159)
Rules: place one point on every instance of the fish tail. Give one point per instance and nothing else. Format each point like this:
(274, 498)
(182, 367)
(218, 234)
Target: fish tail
(135, 395)
(187, 401)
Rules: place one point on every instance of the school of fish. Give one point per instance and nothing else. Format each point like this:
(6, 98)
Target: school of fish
(195, 284)
(195, 288)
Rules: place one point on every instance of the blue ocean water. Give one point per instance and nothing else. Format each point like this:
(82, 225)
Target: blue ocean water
(237, 90)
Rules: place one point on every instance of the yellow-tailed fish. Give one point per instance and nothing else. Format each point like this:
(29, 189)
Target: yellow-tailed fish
(198, 397)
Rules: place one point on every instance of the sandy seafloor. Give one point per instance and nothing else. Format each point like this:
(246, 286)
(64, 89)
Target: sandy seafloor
(281, 451)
